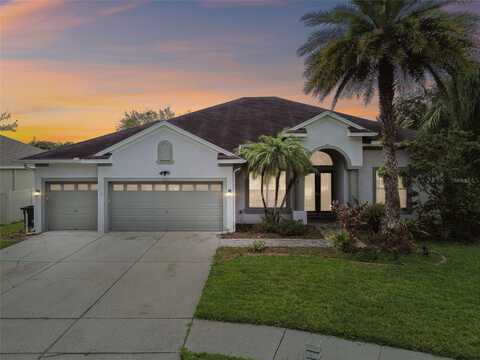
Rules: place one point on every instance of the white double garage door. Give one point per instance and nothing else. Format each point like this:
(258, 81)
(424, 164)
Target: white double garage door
(137, 206)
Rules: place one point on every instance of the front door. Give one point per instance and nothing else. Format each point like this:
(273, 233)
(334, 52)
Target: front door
(318, 193)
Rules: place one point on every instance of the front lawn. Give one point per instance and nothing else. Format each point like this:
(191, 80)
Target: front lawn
(11, 234)
(417, 303)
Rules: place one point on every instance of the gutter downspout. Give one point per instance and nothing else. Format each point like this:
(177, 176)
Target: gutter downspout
(235, 198)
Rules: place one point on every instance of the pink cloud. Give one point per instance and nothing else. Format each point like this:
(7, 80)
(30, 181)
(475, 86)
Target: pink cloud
(120, 7)
(222, 3)
(36, 23)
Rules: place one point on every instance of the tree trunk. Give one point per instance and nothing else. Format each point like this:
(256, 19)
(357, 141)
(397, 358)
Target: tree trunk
(292, 181)
(386, 87)
(276, 215)
(265, 207)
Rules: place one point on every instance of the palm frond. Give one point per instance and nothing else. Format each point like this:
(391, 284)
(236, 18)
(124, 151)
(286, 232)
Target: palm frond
(320, 38)
(339, 15)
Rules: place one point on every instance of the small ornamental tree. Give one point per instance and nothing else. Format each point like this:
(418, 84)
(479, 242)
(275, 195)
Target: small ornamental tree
(446, 167)
(271, 156)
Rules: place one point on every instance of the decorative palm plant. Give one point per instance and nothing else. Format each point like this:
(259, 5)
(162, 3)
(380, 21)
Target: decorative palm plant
(269, 158)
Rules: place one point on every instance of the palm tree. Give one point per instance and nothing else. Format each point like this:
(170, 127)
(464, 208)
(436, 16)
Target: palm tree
(458, 106)
(271, 156)
(384, 45)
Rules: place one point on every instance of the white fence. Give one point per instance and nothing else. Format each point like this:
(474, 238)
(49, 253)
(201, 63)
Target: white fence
(11, 202)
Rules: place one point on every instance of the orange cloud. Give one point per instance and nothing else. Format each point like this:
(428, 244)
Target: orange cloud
(76, 101)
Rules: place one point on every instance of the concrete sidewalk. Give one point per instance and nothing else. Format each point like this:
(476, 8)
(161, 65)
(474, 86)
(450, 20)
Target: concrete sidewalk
(272, 343)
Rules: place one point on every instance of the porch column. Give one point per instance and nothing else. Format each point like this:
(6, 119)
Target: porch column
(353, 186)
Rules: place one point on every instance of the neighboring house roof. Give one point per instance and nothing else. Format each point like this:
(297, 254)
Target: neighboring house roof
(12, 150)
(226, 125)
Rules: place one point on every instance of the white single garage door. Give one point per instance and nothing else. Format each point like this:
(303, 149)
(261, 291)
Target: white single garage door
(71, 206)
(141, 206)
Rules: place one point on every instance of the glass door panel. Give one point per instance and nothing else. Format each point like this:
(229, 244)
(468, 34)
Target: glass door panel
(309, 193)
(325, 191)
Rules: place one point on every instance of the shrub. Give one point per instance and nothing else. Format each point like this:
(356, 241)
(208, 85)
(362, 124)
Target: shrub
(286, 227)
(244, 227)
(258, 246)
(421, 228)
(372, 216)
(397, 241)
(445, 166)
(344, 242)
(289, 227)
(267, 225)
(349, 217)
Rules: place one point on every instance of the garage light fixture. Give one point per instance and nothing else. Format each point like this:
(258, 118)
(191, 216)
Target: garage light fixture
(37, 193)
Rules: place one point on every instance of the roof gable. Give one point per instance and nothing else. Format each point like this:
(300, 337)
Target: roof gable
(329, 115)
(155, 127)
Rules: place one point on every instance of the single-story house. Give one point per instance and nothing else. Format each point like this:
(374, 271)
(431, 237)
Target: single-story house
(16, 181)
(185, 174)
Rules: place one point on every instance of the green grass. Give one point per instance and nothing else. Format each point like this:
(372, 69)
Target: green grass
(11, 234)
(187, 355)
(413, 303)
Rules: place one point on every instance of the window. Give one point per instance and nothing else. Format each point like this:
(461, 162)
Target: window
(187, 187)
(82, 187)
(201, 187)
(380, 191)
(68, 187)
(216, 187)
(93, 187)
(55, 187)
(309, 193)
(160, 187)
(117, 187)
(254, 191)
(165, 152)
(173, 187)
(320, 158)
(132, 187)
(146, 187)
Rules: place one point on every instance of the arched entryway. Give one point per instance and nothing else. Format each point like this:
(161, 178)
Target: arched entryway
(327, 184)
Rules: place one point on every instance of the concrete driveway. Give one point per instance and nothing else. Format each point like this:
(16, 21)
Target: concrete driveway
(111, 296)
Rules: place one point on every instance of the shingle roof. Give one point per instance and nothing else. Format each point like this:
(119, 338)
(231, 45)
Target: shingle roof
(12, 150)
(226, 125)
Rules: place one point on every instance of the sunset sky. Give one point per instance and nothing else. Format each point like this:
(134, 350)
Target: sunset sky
(70, 69)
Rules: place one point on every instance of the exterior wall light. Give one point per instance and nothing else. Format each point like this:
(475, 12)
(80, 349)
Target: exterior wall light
(37, 193)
